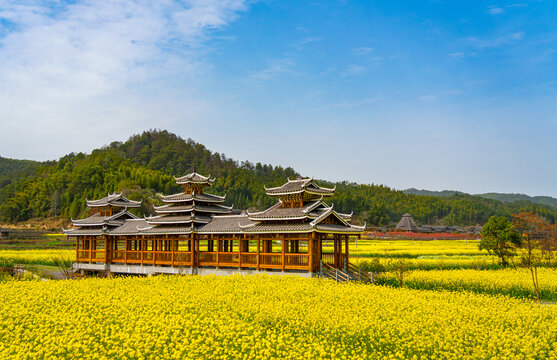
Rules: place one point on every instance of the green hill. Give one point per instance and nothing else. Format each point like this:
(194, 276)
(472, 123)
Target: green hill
(143, 166)
(12, 169)
(544, 200)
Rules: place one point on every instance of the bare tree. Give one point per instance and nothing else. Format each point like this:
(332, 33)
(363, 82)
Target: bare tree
(533, 231)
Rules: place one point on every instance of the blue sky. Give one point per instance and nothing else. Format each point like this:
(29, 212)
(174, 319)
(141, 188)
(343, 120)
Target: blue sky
(427, 94)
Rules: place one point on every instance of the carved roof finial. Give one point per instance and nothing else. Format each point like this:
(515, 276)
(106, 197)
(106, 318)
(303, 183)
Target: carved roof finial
(194, 168)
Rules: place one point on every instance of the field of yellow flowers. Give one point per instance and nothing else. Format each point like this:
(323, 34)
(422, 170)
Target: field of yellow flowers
(36, 256)
(264, 317)
(515, 282)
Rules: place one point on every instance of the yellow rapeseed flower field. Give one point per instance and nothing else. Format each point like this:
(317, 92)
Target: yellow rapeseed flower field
(37, 256)
(516, 282)
(264, 317)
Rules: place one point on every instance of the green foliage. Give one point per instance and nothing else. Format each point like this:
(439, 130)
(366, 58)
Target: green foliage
(500, 238)
(142, 168)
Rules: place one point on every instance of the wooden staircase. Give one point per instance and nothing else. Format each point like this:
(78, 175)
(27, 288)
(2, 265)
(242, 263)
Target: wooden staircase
(350, 272)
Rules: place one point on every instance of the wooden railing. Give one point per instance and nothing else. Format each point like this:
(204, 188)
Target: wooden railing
(207, 258)
(248, 259)
(296, 261)
(228, 259)
(328, 258)
(90, 255)
(292, 261)
(270, 261)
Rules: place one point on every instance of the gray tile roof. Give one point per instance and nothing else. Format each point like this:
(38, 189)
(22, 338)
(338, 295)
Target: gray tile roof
(299, 186)
(116, 200)
(194, 178)
(226, 224)
(286, 227)
(130, 227)
(84, 231)
(277, 212)
(98, 220)
(339, 228)
(182, 197)
(210, 209)
(180, 230)
(182, 219)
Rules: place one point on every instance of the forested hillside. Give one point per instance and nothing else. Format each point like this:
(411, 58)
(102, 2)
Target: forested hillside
(13, 169)
(543, 200)
(143, 167)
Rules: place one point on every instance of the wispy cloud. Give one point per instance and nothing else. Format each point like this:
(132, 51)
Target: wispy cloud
(497, 41)
(495, 11)
(305, 41)
(500, 10)
(353, 70)
(351, 104)
(275, 67)
(362, 51)
(72, 64)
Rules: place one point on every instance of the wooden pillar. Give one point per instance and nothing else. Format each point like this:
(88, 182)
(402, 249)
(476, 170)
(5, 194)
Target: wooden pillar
(218, 249)
(240, 246)
(172, 255)
(258, 251)
(346, 248)
(192, 247)
(283, 253)
(143, 243)
(310, 252)
(90, 251)
(77, 248)
(106, 249)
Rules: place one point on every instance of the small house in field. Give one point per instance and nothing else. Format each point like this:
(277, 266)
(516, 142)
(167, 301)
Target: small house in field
(193, 232)
(406, 223)
(4, 233)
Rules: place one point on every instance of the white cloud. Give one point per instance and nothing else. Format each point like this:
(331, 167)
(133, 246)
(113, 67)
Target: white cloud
(307, 40)
(496, 42)
(495, 11)
(67, 68)
(457, 55)
(274, 68)
(354, 70)
(362, 51)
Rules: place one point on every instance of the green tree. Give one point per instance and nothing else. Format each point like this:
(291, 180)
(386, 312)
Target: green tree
(500, 238)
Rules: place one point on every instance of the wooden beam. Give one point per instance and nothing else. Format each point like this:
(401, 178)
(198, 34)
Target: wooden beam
(192, 247)
(346, 247)
(283, 253)
(90, 251)
(258, 252)
(310, 253)
(218, 250)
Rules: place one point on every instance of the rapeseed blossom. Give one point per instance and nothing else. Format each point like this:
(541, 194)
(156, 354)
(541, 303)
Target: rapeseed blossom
(262, 317)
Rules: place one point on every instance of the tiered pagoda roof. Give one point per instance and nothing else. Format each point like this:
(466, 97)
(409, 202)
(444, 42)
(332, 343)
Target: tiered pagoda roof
(194, 178)
(107, 215)
(186, 212)
(300, 208)
(300, 186)
(114, 200)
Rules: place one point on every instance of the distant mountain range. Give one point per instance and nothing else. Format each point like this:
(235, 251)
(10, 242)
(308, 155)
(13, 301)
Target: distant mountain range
(502, 197)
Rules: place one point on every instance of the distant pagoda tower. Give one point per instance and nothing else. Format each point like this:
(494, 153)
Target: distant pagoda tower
(107, 214)
(407, 224)
(301, 209)
(185, 212)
